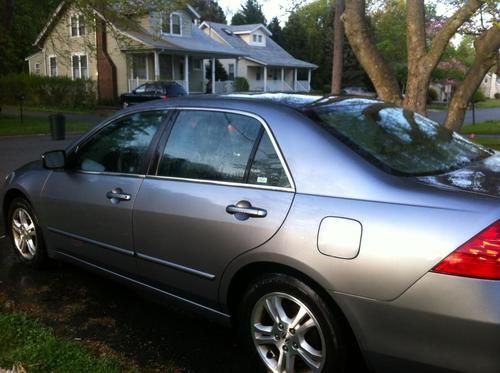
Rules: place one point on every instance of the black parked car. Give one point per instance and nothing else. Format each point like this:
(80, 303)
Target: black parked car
(152, 91)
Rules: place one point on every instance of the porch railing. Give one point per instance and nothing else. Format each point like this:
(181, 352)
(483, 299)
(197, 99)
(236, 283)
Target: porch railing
(278, 86)
(224, 87)
(303, 86)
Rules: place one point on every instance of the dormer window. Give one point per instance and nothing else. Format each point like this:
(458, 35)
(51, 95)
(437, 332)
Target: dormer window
(77, 25)
(172, 24)
(254, 38)
(259, 37)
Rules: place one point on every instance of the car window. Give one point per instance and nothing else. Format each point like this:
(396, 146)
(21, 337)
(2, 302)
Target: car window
(151, 89)
(121, 146)
(140, 89)
(266, 166)
(209, 145)
(175, 90)
(395, 139)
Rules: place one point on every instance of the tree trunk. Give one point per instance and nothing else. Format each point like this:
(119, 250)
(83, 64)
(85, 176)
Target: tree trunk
(338, 49)
(363, 46)
(487, 46)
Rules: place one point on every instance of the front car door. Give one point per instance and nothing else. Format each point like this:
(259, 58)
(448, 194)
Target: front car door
(221, 188)
(88, 206)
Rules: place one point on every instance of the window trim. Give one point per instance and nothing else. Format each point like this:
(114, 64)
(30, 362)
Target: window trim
(79, 55)
(163, 143)
(170, 32)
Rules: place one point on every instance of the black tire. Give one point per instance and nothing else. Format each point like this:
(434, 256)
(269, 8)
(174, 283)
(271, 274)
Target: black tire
(325, 336)
(38, 258)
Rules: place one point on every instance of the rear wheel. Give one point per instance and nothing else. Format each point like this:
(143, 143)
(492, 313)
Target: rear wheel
(290, 328)
(25, 233)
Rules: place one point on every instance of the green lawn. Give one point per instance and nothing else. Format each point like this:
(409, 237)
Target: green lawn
(11, 126)
(488, 127)
(28, 344)
(490, 142)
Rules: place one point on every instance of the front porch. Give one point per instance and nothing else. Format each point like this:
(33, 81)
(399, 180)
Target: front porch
(186, 70)
(279, 79)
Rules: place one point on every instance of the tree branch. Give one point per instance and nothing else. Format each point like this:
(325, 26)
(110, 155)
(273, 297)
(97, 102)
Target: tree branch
(363, 46)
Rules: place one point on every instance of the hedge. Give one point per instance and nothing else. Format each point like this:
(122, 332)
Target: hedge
(58, 92)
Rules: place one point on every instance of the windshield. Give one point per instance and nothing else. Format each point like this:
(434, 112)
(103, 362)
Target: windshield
(395, 139)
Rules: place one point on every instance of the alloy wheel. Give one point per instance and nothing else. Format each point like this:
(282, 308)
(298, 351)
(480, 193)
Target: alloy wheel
(24, 233)
(286, 334)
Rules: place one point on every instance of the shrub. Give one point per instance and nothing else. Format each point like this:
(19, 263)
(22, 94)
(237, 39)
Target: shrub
(432, 95)
(497, 96)
(60, 92)
(241, 84)
(478, 96)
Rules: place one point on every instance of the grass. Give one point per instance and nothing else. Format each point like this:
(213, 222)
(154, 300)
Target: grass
(28, 344)
(11, 125)
(490, 142)
(487, 127)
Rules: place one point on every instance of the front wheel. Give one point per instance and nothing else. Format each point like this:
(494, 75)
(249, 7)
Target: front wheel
(290, 328)
(25, 233)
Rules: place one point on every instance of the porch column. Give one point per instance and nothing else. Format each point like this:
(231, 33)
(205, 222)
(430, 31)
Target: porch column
(203, 73)
(282, 79)
(147, 67)
(295, 80)
(309, 80)
(157, 66)
(173, 68)
(213, 76)
(265, 78)
(186, 73)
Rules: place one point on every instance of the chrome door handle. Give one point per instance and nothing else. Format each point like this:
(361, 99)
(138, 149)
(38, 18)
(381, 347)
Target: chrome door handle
(244, 210)
(117, 195)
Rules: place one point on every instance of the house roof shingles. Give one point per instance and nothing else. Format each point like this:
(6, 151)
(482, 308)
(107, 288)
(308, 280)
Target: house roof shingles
(271, 54)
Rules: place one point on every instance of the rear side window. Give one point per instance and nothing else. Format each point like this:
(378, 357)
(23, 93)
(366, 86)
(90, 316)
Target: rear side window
(266, 167)
(209, 145)
(219, 146)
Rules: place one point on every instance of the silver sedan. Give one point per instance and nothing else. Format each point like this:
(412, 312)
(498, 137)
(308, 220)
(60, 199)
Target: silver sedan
(330, 231)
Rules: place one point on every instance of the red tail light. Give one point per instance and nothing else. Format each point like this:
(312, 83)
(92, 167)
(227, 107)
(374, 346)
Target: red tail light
(479, 257)
(164, 97)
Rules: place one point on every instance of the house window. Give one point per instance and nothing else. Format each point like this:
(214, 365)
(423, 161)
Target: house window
(176, 24)
(260, 38)
(37, 68)
(139, 66)
(171, 24)
(254, 38)
(80, 69)
(53, 66)
(231, 71)
(257, 75)
(77, 25)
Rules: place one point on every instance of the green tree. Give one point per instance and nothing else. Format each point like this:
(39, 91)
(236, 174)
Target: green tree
(209, 10)
(425, 49)
(249, 13)
(220, 71)
(20, 23)
(275, 28)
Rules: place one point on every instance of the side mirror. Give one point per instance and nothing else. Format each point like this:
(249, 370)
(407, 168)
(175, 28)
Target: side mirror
(54, 159)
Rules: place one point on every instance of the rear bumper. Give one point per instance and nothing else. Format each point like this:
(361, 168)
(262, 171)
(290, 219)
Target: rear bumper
(442, 322)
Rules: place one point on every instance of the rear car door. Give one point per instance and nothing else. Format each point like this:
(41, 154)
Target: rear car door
(221, 188)
(88, 205)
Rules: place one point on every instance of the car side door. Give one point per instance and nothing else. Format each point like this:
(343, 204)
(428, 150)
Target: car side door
(221, 188)
(88, 206)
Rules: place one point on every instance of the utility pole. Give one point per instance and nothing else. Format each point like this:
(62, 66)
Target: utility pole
(338, 48)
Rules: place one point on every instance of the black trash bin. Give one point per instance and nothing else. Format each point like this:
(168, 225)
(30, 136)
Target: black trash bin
(57, 126)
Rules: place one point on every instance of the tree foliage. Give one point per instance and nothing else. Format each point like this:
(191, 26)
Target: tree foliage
(249, 13)
(209, 10)
(427, 39)
(18, 30)
(308, 35)
(275, 28)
